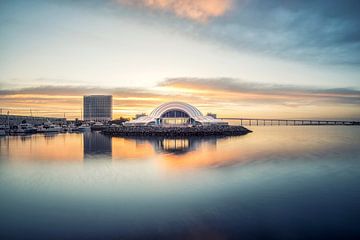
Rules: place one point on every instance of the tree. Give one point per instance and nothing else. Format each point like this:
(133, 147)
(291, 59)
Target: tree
(119, 121)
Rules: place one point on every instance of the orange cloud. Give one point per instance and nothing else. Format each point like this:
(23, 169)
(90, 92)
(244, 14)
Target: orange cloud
(225, 96)
(198, 10)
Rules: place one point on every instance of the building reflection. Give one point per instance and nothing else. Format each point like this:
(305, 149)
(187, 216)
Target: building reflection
(170, 154)
(97, 145)
(145, 148)
(180, 145)
(177, 146)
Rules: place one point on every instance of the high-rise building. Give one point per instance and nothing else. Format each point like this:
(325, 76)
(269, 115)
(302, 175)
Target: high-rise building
(98, 107)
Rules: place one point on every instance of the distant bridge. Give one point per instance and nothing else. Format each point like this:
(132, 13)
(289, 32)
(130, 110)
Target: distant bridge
(292, 122)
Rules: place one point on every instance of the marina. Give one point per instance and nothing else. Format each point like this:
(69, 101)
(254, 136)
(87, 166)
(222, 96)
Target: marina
(170, 119)
(235, 127)
(48, 127)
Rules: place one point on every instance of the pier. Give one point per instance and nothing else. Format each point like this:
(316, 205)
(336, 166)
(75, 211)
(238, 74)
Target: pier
(290, 122)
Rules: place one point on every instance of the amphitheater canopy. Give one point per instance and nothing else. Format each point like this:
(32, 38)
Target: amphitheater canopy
(175, 113)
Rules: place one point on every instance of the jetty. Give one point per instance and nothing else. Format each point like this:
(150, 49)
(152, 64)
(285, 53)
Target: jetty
(291, 122)
(159, 131)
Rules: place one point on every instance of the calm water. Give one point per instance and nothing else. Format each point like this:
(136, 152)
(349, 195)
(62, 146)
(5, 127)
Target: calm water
(276, 183)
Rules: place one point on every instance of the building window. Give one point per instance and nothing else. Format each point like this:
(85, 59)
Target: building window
(175, 117)
(175, 114)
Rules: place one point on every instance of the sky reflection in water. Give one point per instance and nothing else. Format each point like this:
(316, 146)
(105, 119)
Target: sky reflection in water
(275, 183)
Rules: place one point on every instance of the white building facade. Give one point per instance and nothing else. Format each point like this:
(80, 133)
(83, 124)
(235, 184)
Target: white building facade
(175, 114)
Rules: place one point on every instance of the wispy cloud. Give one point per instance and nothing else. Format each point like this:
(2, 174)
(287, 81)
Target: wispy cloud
(264, 92)
(55, 100)
(225, 96)
(77, 91)
(199, 10)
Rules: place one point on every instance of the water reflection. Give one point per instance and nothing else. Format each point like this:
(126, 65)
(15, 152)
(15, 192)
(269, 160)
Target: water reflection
(97, 145)
(275, 183)
(177, 146)
(265, 143)
(168, 152)
(42, 147)
(181, 145)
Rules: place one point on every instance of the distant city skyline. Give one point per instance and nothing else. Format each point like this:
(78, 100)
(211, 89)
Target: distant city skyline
(235, 58)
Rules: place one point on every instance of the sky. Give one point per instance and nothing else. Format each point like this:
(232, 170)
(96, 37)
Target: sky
(236, 58)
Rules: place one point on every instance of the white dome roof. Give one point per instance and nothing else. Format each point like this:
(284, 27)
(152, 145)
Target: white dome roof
(192, 111)
(163, 108)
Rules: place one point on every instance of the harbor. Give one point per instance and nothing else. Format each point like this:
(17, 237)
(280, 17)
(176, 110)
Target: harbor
(170, 119)
(32, 127)
(47, 127)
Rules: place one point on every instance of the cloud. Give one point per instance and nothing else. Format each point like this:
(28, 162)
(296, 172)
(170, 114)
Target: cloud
(77, 91)
(204, 91)
(199, 10)
(55, 100)
(324, 32)
(314, 31)
(225, 96)
(262, 92)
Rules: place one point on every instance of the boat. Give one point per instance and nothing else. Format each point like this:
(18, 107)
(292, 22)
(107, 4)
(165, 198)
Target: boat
(65, 128)
(98, 126)
(49, 128)
(72, 128)
(25, 128)
(4, 130)
(84, 128)
(54, 128)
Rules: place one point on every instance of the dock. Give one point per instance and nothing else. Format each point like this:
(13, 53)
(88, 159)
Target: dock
(291, 122)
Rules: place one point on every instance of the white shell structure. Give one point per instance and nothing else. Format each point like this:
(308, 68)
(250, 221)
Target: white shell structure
(160, 110)
(155, 117)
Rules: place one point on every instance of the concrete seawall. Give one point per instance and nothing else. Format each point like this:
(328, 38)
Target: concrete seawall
(149, 131)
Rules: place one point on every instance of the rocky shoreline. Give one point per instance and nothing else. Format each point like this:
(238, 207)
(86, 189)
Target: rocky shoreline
(155, 131)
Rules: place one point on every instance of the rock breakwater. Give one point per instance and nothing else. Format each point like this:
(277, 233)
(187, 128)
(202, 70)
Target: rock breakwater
(156, 131)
